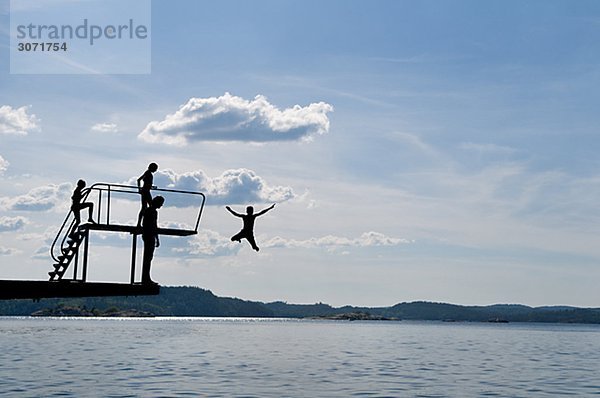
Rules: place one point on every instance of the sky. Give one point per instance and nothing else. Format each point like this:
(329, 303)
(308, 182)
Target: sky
(439, 151)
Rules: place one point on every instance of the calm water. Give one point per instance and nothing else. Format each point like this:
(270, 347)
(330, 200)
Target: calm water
(278, 358)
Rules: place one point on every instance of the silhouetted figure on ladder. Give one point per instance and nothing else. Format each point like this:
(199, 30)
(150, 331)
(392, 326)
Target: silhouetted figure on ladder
(77, 205)
(150, 236)
(247, 231)
(147, 179)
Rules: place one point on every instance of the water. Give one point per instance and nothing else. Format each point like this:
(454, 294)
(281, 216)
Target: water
(178, 357)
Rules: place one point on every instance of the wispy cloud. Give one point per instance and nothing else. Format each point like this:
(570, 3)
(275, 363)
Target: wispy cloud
(12, 223)
(3, 165)
(105, 128)
(17, 120)
(38, 199)
(208, 244)
(8, 251)
(487, 148)
(231, 118)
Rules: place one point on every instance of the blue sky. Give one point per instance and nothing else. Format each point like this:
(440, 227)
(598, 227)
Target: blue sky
(453, 156)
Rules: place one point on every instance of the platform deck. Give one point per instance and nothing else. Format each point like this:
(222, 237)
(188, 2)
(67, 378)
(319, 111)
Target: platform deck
(132, 229)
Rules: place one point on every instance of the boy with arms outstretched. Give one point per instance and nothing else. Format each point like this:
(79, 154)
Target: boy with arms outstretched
(247, 231)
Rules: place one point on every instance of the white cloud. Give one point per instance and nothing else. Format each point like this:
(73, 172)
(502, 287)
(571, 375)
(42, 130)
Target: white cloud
(39, 199)
(231, 118)
(367, 239)
(236, 186)
(3, 165)
(17, 120)
(105, 128)
(12, 223)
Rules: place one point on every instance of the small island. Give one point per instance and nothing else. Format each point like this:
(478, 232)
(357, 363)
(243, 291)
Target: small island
(68, 311)
(352, 316)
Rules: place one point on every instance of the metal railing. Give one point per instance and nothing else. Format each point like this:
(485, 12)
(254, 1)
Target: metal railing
(103, 213)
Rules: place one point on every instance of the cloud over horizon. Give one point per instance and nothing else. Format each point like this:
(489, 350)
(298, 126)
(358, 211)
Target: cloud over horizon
(17, 120)
(212, 244)
(367, 239)
(230, 118)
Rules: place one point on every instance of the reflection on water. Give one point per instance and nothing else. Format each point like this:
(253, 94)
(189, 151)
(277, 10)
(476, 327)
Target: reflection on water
(219, 357)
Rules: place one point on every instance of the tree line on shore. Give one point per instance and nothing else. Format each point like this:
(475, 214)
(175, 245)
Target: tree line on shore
(194, 301)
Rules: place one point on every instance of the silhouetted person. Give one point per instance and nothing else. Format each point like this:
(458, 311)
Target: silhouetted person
(247, 231)
(150, 236)
(147, 179)
(77, 205)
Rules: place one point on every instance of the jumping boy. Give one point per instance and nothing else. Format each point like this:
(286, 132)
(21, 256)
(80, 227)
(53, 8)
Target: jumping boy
(247, 231)
(148, 179)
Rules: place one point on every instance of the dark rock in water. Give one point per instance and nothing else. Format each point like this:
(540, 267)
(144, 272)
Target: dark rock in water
(354, 316)
(497, 320)
(84, 312)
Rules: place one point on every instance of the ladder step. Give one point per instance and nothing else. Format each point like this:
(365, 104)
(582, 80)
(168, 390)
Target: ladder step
(66, 256)
(76, 235)
(52, 275)
(58, 265)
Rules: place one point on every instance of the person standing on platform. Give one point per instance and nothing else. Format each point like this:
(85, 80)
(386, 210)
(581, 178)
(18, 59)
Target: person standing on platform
(150, 236)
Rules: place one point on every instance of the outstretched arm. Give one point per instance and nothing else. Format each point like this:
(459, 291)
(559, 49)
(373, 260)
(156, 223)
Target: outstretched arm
(260, 213)
(233, 212)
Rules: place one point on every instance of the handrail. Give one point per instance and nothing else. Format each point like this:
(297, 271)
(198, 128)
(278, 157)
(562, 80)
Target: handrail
(110, 189)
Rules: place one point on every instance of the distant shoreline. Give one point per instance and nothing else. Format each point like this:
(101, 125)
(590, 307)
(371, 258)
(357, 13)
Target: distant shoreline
(188, 301)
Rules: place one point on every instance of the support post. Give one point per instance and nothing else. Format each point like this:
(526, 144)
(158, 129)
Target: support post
(107, 208)
(76, 263)
(85, 254)
(99, 204)
(133, 256)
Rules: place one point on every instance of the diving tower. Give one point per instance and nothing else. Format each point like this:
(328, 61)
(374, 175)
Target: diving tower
(70, 248)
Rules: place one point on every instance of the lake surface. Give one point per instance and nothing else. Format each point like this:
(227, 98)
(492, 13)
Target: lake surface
(216, 357)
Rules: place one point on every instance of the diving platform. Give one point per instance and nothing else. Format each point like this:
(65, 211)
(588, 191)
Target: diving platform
(19, 289)
(71, 246)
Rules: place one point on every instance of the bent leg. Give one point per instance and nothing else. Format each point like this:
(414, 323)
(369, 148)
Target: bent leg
(75, 210)
(90, 207)
(238, 237)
